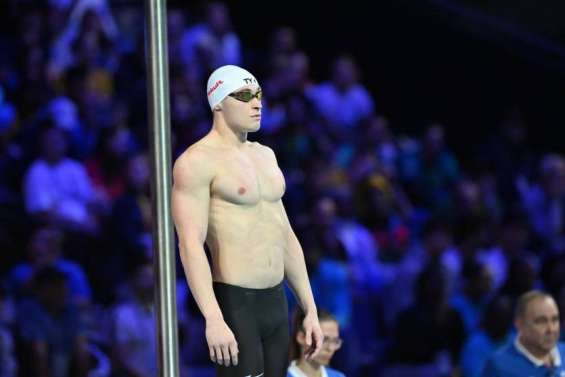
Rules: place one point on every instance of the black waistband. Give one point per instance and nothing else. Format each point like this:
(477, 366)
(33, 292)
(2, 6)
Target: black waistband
(236, 288)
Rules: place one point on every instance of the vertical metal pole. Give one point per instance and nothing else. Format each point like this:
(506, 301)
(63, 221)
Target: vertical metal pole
(158, 98)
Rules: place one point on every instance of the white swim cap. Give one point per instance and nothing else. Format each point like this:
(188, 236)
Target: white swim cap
(225, 80)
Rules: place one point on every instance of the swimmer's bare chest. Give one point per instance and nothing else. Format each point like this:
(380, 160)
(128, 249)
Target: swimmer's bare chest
(247, 227)
(248, 177)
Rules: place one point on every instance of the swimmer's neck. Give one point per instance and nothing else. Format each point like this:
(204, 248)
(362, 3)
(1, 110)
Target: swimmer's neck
(226, 135)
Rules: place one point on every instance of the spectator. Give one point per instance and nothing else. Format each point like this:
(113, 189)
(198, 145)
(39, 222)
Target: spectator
(135, 338)
(429, 334)
(495, 331)
(467, 208)
(188, 108)
(536, 350)
(213, 42)
(343, 101)
(131, 215)
(129, 226)
(90, 29)
(57, 189)
(330, 276)
(286, 94)
(472, 301)
(106, 169)
(301, 365)
(513, 236)
(45, 250)
(433, 245)
(509, 155)
(282, 46)
(64, 114)
(438, 172)
(176, 24)
(51, 329)
(545, 203)
(379, 139)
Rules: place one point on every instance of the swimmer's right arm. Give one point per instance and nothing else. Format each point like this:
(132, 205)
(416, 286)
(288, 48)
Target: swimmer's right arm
(192, 175)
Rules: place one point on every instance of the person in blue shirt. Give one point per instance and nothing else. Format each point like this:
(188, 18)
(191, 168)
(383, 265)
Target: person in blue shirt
(536, 350)
(496, 331)
(45, 248)
(51, 330)
(304, 366)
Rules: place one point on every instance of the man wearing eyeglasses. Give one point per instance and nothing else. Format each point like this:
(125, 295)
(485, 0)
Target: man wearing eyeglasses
(227, 194)
(535, 351)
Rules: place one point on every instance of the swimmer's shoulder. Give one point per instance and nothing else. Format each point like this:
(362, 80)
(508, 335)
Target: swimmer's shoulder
(197, 161)
(262, 149)
(205, 150)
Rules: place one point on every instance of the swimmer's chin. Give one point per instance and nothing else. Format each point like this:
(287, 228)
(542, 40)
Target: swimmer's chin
(255, 126)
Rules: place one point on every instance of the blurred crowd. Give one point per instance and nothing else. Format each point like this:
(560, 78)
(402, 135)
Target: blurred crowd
(419, 255)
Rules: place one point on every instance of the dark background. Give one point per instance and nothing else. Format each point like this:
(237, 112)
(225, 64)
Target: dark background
(463, 63)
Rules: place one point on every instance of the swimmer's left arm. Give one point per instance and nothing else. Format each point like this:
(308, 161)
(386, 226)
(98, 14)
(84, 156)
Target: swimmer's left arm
(296, 273)
(294, 263)
(297, 277)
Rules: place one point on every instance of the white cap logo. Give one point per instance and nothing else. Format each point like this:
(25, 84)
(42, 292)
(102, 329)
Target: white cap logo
(225, 80)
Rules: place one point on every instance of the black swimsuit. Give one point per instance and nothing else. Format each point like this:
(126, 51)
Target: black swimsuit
(259, 320)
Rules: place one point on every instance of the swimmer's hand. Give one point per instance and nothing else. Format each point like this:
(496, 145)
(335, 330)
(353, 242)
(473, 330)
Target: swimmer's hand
(221, 342)
(314, 337)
